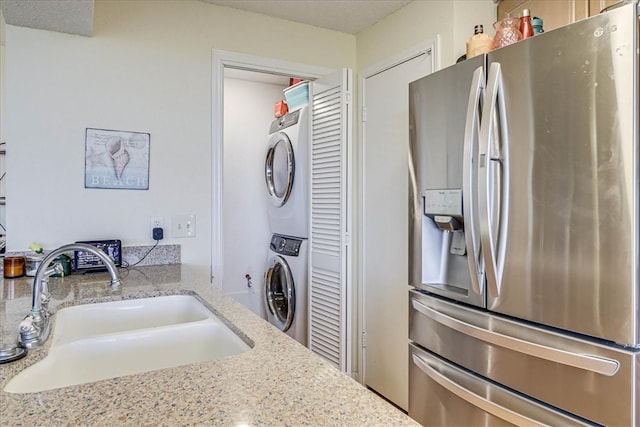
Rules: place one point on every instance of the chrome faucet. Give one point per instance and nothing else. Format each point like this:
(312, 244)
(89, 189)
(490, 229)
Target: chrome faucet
(34, 329)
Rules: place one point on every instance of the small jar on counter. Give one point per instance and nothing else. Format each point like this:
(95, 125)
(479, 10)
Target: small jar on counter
(32, 262)
(13, 267)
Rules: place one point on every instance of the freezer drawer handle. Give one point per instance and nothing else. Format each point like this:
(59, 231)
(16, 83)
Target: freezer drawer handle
(473, 398)
(587, 362)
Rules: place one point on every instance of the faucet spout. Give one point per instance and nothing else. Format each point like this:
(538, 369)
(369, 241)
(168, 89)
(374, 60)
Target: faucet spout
(35, 327)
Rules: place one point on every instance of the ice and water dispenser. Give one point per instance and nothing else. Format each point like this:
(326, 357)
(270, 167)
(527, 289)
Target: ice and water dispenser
(443, 258)
(445, 208)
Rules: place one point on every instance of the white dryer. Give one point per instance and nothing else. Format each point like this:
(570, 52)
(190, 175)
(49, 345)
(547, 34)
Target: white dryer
(285, 292)
(286, 174)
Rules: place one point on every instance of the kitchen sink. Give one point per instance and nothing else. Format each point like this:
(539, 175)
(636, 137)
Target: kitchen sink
(90, 320)
(93, 342)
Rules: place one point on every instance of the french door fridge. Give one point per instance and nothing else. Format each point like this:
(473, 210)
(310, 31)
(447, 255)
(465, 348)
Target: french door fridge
(524, 231)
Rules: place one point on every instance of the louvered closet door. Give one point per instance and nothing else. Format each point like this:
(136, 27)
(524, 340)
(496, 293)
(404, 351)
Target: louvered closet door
(329, 296)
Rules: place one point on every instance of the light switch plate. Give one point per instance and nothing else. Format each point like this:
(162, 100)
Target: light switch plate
(183, 225)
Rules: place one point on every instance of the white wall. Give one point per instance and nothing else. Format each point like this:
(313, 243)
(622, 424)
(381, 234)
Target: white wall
(148, 69)
(248, 113)
(420, 21)
(2, 78)
(3, 216)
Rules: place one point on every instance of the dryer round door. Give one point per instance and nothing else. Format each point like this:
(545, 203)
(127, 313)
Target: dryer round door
(279, 168)
(280, 292)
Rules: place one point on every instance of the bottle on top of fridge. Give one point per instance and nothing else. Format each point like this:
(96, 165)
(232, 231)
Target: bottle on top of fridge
(537, 25)
(526, 28)
(479, 42)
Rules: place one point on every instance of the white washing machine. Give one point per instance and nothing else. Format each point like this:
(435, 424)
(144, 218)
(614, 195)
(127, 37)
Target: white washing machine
(285, 291)
(286, 170)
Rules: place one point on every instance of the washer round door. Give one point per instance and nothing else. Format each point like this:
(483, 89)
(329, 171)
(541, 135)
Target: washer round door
(279, 168)
(280, 292)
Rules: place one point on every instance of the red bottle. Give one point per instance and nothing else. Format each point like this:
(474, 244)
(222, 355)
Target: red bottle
(525, 24)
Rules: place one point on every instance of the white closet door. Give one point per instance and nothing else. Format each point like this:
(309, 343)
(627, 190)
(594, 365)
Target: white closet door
(329, 243)
(385, 224)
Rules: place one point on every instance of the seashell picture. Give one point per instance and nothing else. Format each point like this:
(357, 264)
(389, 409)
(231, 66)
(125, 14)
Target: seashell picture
(116, 159)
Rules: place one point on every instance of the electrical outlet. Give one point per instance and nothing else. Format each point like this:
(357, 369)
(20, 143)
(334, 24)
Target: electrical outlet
(183, 225)
(156, 222)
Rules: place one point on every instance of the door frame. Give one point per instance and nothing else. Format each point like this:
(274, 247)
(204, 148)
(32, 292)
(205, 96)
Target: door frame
(433, 46)
(222, 59)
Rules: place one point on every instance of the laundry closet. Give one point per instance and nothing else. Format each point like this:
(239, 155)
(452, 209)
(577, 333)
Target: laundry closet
(265, 202)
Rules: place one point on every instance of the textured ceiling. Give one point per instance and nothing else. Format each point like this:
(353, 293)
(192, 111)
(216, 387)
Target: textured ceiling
(76, 16)
(347, 16)
(66, 16)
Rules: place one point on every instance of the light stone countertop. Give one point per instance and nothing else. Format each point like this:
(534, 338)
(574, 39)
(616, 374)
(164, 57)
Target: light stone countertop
(277, 383)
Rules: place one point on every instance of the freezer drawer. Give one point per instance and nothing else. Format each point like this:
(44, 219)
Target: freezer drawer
(442, 394)
(593, 380)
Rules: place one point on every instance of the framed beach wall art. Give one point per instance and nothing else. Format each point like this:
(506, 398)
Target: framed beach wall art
(116, 159)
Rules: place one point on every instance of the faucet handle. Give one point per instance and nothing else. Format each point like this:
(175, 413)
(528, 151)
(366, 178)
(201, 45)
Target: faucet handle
(29, 330)
(56, 268)
(34, 329)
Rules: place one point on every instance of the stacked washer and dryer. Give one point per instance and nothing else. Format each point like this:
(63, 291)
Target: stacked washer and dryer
(286, 176)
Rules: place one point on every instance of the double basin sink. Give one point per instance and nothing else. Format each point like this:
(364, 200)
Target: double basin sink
(99, 341)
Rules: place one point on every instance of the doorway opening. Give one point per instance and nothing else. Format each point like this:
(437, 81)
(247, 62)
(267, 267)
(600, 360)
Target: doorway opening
(244, 91)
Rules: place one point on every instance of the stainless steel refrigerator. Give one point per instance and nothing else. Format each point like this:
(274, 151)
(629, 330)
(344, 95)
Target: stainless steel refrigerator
(524, 232)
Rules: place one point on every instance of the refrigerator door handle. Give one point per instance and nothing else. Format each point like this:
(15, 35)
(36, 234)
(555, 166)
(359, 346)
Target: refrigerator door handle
(469, 185)
(599, 365)
(493, 121)
(471, 397)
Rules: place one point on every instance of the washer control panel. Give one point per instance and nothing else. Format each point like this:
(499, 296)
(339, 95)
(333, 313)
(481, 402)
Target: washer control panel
(285, 121)
(285, 245)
